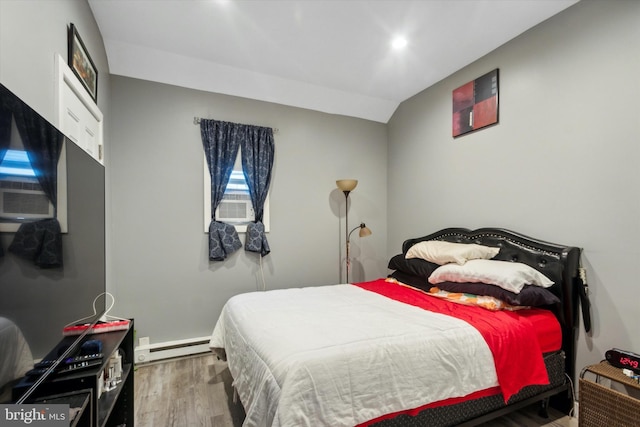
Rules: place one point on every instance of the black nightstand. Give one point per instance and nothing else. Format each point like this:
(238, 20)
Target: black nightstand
(106, 408)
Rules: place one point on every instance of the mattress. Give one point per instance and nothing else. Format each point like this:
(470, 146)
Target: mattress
(343, 355)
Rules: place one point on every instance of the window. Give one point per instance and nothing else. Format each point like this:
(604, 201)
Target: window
(235, 207)
(16, 163)
(21, 197)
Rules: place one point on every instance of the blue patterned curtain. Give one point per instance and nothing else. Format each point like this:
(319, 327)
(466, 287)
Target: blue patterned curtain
(43, 144)
(257, 162)
(221, 142)
(39, 241)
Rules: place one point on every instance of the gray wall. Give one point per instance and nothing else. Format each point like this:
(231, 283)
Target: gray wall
(562, 164)
(160, 272)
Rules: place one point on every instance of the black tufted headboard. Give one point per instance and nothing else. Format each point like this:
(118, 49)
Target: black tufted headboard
(559, 263)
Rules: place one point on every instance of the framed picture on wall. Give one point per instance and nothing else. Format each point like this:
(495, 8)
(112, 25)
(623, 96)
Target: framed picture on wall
(81, 63)
(475, 104)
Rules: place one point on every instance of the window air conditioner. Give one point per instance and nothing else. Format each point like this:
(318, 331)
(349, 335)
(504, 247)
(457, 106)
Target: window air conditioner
(235, 211)
(24, 204)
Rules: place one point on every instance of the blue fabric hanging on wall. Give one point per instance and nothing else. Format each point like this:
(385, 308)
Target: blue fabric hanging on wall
(257, 162)
(220, 141)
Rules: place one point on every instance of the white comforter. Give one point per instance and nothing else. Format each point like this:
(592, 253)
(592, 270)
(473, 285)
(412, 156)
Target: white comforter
(16, 354)
(340, 356)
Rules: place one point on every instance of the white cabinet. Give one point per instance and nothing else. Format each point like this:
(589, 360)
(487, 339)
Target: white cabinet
(79, 118)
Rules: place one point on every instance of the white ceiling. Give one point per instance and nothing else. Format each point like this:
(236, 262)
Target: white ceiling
(333, 56)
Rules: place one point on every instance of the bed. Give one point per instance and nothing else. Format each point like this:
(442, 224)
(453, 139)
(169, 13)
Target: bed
(403, 351)
(16, 355)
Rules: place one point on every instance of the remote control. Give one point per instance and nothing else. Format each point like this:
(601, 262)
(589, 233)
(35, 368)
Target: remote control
(79, 366)
(70, 364)
(69, 360)
(84, 358)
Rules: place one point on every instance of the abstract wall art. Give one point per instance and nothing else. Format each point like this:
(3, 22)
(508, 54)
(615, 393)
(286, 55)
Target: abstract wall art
(475, 104)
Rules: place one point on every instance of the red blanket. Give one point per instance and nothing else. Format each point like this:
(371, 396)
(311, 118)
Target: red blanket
(510, 337)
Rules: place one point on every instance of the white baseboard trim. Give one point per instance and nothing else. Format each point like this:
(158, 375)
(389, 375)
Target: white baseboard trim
(145, 352)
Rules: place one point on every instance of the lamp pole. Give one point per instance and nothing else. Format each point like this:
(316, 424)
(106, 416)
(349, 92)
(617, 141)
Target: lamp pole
(346, 186)
(346, 230)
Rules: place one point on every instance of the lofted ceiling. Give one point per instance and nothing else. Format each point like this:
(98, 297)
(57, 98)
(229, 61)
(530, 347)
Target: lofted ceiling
(333, 56)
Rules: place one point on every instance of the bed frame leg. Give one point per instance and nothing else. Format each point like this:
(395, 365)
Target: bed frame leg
(544, 408)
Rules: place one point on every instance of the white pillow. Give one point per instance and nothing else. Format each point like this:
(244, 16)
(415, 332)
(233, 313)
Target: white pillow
(512, 276)
(440, 252)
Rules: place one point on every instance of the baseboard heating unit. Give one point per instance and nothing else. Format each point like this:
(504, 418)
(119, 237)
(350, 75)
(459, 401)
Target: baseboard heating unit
(146, 352)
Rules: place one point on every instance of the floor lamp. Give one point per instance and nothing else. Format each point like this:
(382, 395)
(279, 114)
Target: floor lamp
(347, 186)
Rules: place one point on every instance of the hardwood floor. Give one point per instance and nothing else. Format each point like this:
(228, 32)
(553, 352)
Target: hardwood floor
(185, 392)
(196, 391)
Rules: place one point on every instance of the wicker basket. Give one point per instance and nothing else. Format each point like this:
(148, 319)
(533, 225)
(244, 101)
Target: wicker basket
(601, 406)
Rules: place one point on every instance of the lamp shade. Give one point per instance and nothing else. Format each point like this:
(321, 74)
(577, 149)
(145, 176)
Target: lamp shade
(347, 184)
(365, 231)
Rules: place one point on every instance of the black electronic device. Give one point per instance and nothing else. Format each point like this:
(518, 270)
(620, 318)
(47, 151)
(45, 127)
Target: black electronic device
(72, 364)
(67, 369)
(41, 301)
(82, 358)
(67, 365)
(623, 359)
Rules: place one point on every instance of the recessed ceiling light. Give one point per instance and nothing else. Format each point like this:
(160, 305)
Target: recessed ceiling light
(399, 43)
